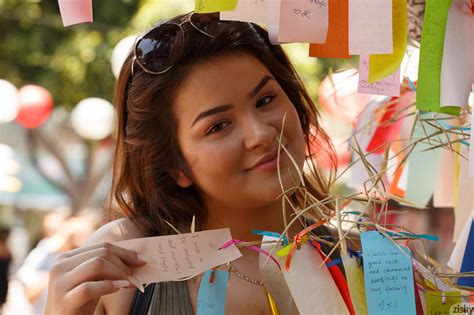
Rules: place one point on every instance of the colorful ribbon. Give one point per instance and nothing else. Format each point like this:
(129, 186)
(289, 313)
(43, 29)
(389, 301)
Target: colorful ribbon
(252, 247)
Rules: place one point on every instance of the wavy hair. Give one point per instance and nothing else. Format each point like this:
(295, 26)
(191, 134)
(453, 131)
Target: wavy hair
(147, 156)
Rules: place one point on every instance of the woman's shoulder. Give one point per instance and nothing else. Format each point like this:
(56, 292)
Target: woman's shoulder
(114, 231)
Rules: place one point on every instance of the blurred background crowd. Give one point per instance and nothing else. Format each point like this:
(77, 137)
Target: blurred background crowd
(56, 145)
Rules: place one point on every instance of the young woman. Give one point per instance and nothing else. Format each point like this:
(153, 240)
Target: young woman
(200, 105)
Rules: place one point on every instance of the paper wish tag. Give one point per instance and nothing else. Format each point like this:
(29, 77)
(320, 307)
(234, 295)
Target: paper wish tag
(248, 11)
(390, 86)
(355, 282)
(273, 279)
(388, 276)
(75, 11)
(311, 284)
(304, 21)
(212, 292)
(182, 255)
(438, 302)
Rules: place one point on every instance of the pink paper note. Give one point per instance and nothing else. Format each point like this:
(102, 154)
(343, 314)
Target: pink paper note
(304, 21)
(390, 86)
(75, 11)
(370, 27)
(182, 255)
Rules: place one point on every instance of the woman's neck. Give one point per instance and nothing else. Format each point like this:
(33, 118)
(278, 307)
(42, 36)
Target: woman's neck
(242, 220)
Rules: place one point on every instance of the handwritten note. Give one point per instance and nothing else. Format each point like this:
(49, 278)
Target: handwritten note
(457, 67)
(337, 40)
(75, 11)
(389, 86)
(208, 6)
(457, 255)
(248, 11)
(182, 255)
(212, 292)
(355, 281)
(382, 66)
(388, 276)
(311, 284)
(431, 55)
(304, 21)
(439, 303)
(370, 27)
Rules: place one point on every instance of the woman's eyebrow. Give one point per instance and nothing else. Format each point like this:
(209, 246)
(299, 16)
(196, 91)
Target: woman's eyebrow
(260, 85)
(212, 111)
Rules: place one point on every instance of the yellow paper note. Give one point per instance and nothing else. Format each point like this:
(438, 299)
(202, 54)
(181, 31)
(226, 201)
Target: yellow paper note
(440, 302)
(381, 66)
(355, 282)
(208, 6)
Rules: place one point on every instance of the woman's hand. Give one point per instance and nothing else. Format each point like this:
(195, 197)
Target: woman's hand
(81, 276)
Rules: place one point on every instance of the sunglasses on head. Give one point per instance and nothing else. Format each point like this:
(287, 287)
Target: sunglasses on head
(154, 49)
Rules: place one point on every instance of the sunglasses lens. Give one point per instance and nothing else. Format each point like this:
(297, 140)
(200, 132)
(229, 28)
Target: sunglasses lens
(207, 23)
(153, 51)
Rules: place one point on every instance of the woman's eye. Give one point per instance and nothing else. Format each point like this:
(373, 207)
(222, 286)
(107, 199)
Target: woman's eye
(265, 100)
(218, 127)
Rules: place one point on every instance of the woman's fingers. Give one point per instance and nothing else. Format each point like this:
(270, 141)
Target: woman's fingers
(95, 269)
(129, 257)
(88, 291)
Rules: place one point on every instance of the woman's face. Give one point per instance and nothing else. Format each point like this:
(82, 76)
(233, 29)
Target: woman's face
(229, 114)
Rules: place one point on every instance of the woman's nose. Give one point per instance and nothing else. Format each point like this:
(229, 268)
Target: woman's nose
(258, 132)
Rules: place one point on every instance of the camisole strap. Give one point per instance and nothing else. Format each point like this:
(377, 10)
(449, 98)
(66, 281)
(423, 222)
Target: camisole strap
(164, 298)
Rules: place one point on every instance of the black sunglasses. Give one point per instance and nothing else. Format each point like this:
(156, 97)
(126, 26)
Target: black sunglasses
(152, 51)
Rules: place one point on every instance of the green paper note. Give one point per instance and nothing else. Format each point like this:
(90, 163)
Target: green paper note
(434, 302)
(208, 6)
(431, 56)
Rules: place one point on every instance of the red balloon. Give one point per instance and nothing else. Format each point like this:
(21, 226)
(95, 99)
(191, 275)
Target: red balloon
(35, 106)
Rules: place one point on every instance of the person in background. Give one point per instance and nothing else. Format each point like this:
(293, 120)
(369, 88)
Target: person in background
(5, 259)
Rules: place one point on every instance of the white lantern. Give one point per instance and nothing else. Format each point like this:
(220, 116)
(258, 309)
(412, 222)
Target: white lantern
(8, 101)
(93, 118)
(120, 53)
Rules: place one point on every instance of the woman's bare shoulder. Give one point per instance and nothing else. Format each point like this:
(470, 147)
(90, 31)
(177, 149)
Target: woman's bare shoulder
(114, 231)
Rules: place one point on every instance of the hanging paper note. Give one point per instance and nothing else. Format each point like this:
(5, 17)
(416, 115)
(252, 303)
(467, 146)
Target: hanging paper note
(304, 21)
(471, 140)
(438, 302)
(457, 67)
(370, 27)
(465, 192)
(273, 278)
(382, 66)
(468, 260)
(208, 6)
(444, 190)
(248, 11)
(423, 163)
(212, 292)
(311, 285)
(75, 11)
(337, 40)
(456, 258)
(273, 14)
(180, 256)
(431, 55)
(355, 281)
(389, 86)
(388, 276)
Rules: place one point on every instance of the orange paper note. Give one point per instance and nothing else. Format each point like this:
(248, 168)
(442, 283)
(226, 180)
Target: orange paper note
(337, 41)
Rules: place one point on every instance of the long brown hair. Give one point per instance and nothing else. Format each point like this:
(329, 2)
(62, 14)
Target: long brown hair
(147, 157)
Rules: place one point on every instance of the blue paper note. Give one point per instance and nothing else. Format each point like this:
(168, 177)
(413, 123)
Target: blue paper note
(211, 296)
(468, 260)
(388, 276)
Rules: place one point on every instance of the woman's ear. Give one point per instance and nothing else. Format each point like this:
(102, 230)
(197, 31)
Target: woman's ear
(183, 180)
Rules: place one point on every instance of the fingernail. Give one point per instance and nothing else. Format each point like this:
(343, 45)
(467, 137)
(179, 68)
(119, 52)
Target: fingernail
(136, 283)
(146, 259)
(120, 284)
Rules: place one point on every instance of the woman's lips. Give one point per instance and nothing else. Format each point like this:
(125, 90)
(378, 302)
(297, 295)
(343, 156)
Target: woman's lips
(268, 162)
